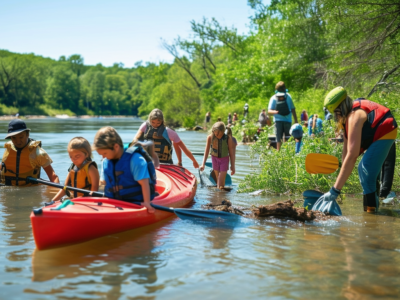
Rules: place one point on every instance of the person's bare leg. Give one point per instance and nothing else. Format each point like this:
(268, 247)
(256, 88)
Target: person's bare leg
(216, 176)
(278, 145)
(221, 179)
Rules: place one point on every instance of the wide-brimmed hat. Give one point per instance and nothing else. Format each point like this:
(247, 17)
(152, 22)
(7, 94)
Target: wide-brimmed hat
(16, 126)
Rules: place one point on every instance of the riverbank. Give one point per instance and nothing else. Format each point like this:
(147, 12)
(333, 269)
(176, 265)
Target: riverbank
(32, 117)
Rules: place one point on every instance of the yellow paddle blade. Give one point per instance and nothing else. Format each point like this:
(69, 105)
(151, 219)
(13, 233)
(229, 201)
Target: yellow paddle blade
(321, 163)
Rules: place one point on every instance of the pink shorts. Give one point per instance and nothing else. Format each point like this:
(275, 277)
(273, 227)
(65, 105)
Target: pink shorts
(220, 164)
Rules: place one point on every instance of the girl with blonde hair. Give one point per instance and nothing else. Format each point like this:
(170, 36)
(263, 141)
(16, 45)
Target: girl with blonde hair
(222, 150)
(83, 171)
(164, 139)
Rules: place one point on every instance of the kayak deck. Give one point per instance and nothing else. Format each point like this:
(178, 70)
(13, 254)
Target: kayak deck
(93, 217)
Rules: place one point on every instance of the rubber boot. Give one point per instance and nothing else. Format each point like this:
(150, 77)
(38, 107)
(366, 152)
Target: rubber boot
(371, 202)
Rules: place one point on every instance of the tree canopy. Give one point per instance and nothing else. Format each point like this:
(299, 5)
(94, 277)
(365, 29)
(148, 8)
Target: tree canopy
(312, 45)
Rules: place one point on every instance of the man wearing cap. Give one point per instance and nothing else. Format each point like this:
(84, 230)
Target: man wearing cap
(23, 157)
(281, 107)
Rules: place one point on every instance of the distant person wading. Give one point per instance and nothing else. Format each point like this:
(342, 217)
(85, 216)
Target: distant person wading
(281, 107)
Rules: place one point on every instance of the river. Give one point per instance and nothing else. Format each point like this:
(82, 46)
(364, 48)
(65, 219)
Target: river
(357, 257)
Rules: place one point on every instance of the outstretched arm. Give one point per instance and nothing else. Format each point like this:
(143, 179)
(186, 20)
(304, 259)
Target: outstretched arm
(356, 122)
(178, 152)
(144, 183)
(294, 115)
(61, 193)
(51, 174)
(206, 152)
(188, 154)
(232, 154)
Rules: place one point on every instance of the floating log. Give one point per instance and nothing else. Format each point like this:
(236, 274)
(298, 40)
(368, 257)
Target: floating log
(284, 209)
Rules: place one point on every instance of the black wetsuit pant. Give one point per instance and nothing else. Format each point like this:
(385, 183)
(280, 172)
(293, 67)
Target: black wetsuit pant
(387, 173)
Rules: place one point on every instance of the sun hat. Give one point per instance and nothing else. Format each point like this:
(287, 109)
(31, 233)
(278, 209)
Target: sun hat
(334, 98)
(16, 126)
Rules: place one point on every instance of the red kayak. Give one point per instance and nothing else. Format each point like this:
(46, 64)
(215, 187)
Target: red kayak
(93, 217)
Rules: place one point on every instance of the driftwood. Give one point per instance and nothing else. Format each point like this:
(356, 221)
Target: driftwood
(284, 209)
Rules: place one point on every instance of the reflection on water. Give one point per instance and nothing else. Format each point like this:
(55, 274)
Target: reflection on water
(357, 257)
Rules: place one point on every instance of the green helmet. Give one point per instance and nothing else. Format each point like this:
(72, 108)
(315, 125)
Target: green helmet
(334, 98)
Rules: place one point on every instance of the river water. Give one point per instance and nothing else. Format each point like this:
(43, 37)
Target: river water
(357, 257)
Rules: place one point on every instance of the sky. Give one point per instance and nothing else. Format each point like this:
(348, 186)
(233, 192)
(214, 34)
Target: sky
(108, 32)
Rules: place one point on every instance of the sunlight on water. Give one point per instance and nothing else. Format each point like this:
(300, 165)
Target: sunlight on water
(355, 257)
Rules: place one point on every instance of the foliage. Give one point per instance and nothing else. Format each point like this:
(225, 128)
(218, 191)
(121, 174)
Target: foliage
(284, 171)
(311, 45)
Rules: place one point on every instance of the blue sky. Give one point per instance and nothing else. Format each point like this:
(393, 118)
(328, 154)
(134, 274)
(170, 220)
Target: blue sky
(109, 31)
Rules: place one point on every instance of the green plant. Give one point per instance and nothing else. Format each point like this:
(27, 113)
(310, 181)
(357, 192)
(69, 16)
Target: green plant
(284, 171)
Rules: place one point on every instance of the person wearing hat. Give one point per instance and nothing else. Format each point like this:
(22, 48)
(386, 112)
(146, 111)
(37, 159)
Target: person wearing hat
(282, 108)
(23, 157)
(368, 127)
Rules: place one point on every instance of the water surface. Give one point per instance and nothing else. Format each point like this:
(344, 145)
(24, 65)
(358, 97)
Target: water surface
(355, 258)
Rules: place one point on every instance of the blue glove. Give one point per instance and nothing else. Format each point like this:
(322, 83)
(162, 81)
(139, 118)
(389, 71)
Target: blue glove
(327, 203)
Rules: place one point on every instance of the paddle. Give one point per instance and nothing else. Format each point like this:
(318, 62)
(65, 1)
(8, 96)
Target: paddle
(198, 153)
(183, 213)
(317, 163)
(60, 186)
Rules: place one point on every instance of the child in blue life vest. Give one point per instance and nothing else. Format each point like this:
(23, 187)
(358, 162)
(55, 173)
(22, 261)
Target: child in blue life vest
(222, 150)
(129, 174)
(296, 131)
(83, 172)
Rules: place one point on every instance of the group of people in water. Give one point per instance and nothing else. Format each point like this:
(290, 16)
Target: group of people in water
(129, 170)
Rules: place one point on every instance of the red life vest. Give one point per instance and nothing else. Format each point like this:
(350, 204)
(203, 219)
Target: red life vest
(380, 122)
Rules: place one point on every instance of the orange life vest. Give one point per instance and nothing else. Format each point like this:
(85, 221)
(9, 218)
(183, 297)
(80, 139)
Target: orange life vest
(17, 166)
(80, 178)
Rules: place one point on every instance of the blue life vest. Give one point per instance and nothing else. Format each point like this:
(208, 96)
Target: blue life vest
(120, 183)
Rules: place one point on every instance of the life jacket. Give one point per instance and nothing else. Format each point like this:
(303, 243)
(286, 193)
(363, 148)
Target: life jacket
(282, 107)
(80, 178)
(380, 121)
(18, 164)
(219, 147)
(162, 143)
(120, 183)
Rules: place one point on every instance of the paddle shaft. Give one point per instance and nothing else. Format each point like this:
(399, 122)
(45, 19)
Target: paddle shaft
(70, 188)
(198, 153)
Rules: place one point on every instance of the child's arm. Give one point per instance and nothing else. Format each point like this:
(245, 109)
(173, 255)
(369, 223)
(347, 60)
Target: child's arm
(206, 152)
(188, 154)
(178, 152)
(61, 193)
(144, 183)
(232, 154)
(94, 177)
